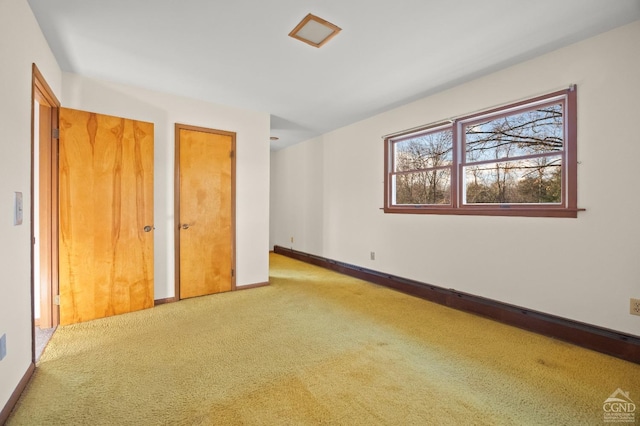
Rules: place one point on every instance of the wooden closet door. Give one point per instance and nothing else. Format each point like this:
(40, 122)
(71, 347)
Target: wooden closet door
(106, 215)
(205, 211)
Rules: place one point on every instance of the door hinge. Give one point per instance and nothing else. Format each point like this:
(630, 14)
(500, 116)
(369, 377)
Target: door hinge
(231, 154)
(233, 272)
(56, 300)
(55, 133)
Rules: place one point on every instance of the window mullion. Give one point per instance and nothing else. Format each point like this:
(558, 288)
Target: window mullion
(464, 163)
(455, 167)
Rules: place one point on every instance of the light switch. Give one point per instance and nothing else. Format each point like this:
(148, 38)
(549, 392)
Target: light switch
(17, 213)
(3, 346)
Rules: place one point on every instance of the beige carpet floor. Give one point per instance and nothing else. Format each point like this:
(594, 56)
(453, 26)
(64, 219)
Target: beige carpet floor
(315, 347)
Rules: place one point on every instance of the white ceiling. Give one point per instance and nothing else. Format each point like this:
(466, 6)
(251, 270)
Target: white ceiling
(238, 53)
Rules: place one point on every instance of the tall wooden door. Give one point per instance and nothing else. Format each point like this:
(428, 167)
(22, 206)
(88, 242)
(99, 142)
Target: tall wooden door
(45, 272)
(205, 169)
(44, 235)
(106, 215)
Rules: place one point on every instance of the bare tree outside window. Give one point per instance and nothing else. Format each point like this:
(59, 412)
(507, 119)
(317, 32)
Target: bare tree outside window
(423, 167)
(535, 137)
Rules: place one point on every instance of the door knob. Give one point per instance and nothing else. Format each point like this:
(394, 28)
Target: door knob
(185, 226)
(148, 228)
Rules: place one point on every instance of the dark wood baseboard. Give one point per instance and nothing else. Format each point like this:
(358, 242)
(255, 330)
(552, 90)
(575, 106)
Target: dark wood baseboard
(256, 285)
(15, 396)
(163, 301)
(610, 342)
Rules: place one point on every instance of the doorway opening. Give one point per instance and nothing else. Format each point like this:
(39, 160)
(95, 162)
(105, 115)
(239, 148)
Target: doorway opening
(44, 212)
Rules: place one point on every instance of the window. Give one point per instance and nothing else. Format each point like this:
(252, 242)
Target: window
(518, 160)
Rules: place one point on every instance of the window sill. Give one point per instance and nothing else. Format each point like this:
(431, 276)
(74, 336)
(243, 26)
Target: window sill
(488, 211)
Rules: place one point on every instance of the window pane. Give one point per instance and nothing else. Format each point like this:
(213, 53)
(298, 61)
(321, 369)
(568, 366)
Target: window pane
(424, 151)
(526, 133)
(537, 181)
(428, 187)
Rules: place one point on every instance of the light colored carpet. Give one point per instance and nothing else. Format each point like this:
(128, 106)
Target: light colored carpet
(42, 335)
(315, 347)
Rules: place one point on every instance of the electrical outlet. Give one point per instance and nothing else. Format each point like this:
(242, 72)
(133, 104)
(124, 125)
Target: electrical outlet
(291, 239)
(3, 346)
(634, 308)
(373, 255)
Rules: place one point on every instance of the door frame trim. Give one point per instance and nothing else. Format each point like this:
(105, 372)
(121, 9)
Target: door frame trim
(176, 198)
(41, 91)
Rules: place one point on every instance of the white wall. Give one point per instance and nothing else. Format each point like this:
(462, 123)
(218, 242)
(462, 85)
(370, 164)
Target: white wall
(585, 269)
(297, 197)
(252, 166)
(21, 44)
